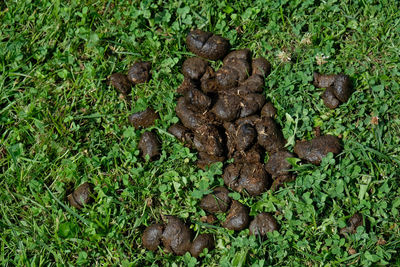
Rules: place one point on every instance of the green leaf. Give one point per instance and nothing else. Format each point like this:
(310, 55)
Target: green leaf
(339, 186)
(371, 257)
(240, 258)
(67, 230)
(82, 258)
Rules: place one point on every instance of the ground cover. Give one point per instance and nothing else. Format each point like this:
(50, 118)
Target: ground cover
(62, 125)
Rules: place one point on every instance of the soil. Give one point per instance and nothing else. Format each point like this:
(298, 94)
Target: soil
(144, 118)
(81, 196)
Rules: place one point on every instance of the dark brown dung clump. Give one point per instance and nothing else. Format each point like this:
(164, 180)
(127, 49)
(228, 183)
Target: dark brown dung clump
(250, 177)
(144, 118)
(262, 224)
(149, 145)
(151, 237)
(330, 99)
(355, 221)
(268, 111)
(139, 72)
(238, 217)
(121, 83)
(278, 165)
(182, 133)
(217, 201)
(338, 88)
(176, 236)
(314, 150)
(220, 112)
(200, 243)
(224, 115)
(81, 196)
(207, 45)
(194, 68)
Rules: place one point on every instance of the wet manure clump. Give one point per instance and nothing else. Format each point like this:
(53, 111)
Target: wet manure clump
(81, 196)
(224, 115)
(176, 237)
(338, 88)
(354, 221)
(138, 73)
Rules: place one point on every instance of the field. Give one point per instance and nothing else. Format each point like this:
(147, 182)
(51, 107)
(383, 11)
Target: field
(61, 124)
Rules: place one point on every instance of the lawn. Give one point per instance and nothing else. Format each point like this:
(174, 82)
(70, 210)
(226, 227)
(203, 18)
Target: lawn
(61, 124)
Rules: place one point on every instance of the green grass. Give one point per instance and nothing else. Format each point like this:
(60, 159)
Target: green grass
(61, 125)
